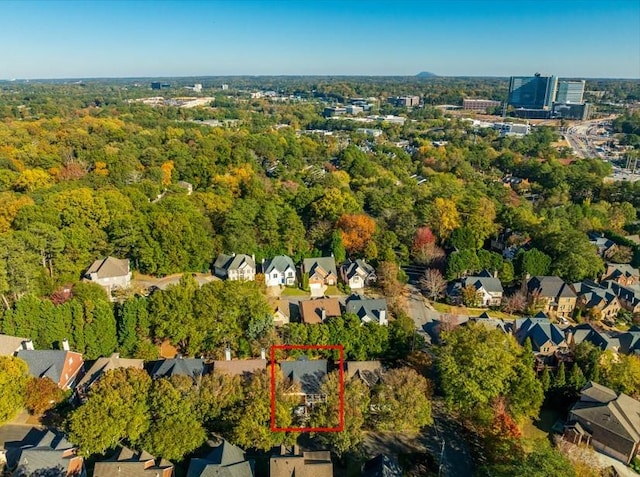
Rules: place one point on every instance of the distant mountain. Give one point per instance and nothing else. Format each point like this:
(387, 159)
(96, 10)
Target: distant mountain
(426, 74)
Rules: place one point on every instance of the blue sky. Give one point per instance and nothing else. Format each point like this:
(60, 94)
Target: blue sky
(76, 39)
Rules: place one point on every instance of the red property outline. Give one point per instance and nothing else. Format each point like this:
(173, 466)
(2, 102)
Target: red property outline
(340, 427)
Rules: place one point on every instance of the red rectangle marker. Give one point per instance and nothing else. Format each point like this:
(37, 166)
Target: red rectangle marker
(340, 427)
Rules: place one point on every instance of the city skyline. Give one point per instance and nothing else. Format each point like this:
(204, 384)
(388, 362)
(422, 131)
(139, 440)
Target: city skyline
(571, 39)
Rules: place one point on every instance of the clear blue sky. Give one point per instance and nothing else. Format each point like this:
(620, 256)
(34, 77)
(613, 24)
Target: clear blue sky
(76, 39)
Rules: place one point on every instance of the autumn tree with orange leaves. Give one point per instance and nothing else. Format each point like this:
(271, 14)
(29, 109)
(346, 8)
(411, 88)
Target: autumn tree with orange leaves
(356, 231)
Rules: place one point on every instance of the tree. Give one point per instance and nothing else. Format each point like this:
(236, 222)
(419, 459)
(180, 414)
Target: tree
(356, 409)
(433, 283)
(463, 238)
(471, 297)
(171, 404)
(462, 263)
(41, 394)
(476, 366)
(117, 408)
(516, 303)
(576, 378)
(218, 395)
(402, 401)
(252, 428)
(388, 280)
(532, 262)
(337, 247)
(356, 231)
(545, 379)
(560, 380)
(13, 379)
(443, 217)
(542, 461)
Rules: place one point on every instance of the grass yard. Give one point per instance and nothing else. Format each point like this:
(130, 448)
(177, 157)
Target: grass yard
(463, 310)
(537, 429)
(290, 291)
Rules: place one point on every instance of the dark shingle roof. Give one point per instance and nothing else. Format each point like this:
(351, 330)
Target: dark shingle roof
(367, 308)
(309, 374)
(539, 330)
(51, 454)
(192, 367)
(382, 466)
(357, 267)
(225, 460)
(328, 264)
(129, 463)
(45, 363)
(550, 287)
(233, 262)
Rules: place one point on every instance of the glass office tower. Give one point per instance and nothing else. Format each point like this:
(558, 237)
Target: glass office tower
(532, 92)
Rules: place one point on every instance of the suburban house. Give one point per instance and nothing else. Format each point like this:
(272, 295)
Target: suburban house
(110, 273)
(309, 374)
(282, 312)
(629, 297)
(622, 273)
(606, 247)
(129, 463)
(51, 455)
(587, 332)
(358, 274)
(224, 460)
(318, 310)
(10, 345)
(509, 243)
(369, 372)
(368, 309)
(280, 270)
(546, 337)
(295, 463)
(608, 421)
(488, 288)
(552, 295)
(239, 367)
(235, 267)
(61, 366)
(191, 367)
(629, 341)
(321, 272)
(490, 323)
(592, 296)
(101, 366)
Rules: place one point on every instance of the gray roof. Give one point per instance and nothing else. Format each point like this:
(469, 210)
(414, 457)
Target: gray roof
(51, 454)
(309, 374)
(366, 307)
(593, 294)
(109, 267)
(279, 263)
(587, 332)
(233, 262)
(48, 363)
(490, 284)
(192, 367)
(617, 270)
(550, 287)
(369, 372)
(490, 323)
(102, 365)
(629, 341)
(225, 460)
(328, 264)
(618, 415)
(539, 330)
(10, 344)
(628, 294)
(357, 267)
(129, 463)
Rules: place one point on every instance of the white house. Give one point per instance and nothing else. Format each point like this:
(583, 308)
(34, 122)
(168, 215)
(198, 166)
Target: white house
(235, 267)
(110, 273)
(357, 274)
(280, 270)
(488, 287)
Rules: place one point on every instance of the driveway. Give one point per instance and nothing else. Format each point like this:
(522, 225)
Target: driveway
(420, 311)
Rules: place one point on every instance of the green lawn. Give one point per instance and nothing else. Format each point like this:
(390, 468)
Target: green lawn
(463, 310)
(333, 290)
(537, 429)
(290, 291)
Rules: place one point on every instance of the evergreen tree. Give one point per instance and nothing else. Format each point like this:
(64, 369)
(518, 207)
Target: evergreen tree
(560, 380)
(545, 379)
(576, 378)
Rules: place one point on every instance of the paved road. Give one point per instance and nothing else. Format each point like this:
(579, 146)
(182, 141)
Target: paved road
(420, 311)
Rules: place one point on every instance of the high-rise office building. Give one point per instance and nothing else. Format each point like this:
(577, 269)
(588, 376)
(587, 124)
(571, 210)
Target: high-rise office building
(570, 91)
(532, 92)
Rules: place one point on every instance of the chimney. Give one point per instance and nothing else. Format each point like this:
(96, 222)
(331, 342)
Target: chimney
(253, 257)
(227, 354)
(263, 353)
(495, 274)
(323, 314)
(28, 344)
(233, 254)
(65, 344)
(383, 317)
(296, 449)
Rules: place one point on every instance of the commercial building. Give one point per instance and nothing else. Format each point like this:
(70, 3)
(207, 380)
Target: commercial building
(570, 91)
(532, 92)
(480, 104)
(404, 101)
